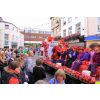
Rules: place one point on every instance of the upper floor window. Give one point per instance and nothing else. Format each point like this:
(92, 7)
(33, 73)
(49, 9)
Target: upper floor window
(69, 19)
(6, 36)
(78, 28)
(6, 26)
(64, 23)
(70, 30)
(64, 32)
(98, 28)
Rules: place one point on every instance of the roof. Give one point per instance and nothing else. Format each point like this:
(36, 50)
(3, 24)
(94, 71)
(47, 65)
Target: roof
(1, 20)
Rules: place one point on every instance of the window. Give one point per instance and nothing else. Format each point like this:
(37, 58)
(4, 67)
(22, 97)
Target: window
(44, 37)
(64, 23)
(32, 36)
(13, 28)
(64, 32)
(70, 30)
(6, 26)
(69, 19)
(6, 42)
(98, 26)
(78, 28)
(6, 36)
(40, 36)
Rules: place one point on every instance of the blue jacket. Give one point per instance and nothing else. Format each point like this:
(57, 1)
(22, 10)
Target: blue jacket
(85, 56)
(73, 55)
(54, 81)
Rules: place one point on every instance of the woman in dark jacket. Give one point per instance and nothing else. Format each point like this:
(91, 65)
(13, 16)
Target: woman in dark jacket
(38, 71)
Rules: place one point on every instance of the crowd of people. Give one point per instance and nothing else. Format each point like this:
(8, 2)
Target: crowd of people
(74, 56)
(18, 66)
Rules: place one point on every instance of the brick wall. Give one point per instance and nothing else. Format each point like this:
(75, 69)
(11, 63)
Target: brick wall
(34, 36)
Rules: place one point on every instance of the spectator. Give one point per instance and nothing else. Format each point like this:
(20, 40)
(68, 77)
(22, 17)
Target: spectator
(59, 78)
(11, 74)
(38, 71)
(29, 62)
(96, 60)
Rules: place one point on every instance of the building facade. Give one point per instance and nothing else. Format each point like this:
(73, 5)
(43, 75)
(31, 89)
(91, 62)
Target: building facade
(92, 34)
(55, 26)
(89, 27)
(72, 25)
(10, 35)
(35, 38)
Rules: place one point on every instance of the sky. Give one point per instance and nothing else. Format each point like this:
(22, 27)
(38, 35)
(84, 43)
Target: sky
(28, 21)
(25, 13)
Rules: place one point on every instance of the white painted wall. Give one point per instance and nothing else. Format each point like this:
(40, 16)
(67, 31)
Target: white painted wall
(14, 34)
(88, 25)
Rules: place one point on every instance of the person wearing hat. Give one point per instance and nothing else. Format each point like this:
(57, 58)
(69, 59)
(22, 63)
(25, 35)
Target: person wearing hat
(72, 55)
(82, 56)
(96, 60)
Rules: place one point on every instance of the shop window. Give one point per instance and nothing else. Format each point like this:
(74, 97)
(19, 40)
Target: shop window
(6, 26)
(69, 19)
(6, 36)
(6, 42)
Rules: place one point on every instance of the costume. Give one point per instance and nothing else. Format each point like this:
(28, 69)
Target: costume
(84, 56)
(96, 62)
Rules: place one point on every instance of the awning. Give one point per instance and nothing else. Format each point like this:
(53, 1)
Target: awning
(94, 37)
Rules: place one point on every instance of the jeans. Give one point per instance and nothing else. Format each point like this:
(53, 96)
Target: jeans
(76, 65)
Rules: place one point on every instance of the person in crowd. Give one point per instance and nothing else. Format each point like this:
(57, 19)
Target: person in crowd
(82, 56)
(23, 75)
(54, 56)
(65, 62)
(96, 60)
(3, 61)
(72, 56)
(8, 55)
(38, 71)
(59, 77)
(60, 60)
(11, 74)
(29, 62)
(24, 50)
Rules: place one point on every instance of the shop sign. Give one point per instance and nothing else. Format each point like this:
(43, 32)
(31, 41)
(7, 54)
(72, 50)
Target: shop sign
(74, 41)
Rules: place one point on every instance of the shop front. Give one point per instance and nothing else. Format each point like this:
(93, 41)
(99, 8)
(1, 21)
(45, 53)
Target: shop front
(92, 39)
(75, 39)
(14, 45)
